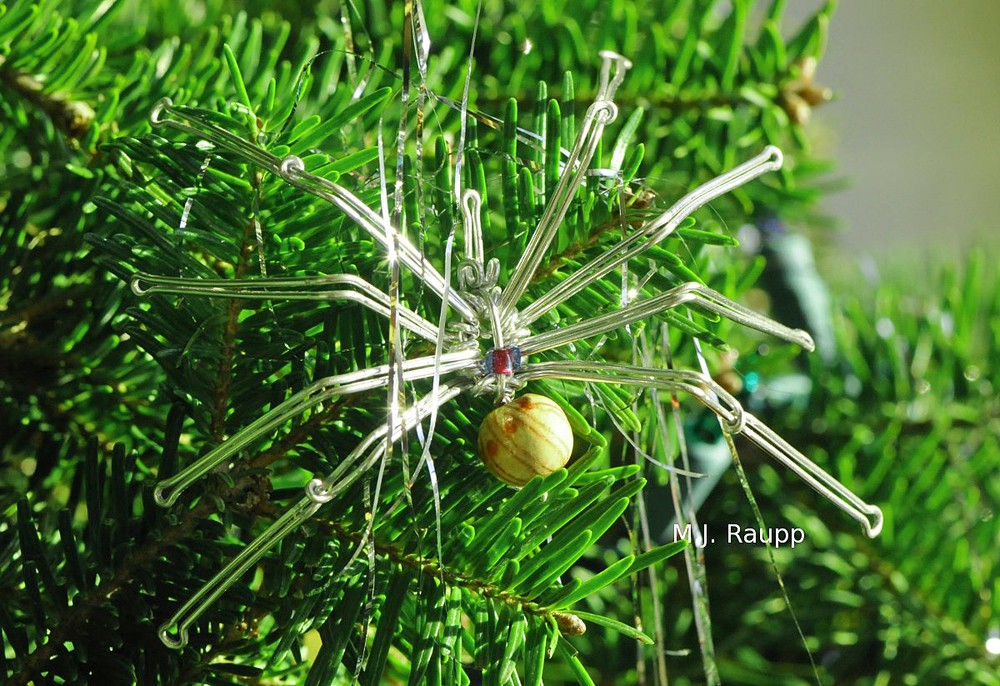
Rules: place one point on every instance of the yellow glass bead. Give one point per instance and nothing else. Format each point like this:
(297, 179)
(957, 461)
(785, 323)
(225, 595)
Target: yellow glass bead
(527, 437)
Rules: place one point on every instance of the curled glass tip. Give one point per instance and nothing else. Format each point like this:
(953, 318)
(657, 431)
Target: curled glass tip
(169, 640)
(471, 207)
(613, 68)
(156, 114)
(875, 528)
(612, 56)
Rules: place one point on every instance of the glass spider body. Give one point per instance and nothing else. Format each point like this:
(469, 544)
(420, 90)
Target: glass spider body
(529, 436)
(485, 344)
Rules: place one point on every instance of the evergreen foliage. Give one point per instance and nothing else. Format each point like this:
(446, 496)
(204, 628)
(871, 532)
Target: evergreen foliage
(910, 408)
(103, 393)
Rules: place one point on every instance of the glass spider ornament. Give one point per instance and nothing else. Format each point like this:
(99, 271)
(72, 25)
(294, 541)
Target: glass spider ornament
(487, 346)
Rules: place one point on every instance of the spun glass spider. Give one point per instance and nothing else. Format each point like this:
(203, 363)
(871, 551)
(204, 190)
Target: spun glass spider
(486, 349)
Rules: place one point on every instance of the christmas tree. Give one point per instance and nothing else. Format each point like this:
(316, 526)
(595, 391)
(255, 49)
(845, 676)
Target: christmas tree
(248, 250)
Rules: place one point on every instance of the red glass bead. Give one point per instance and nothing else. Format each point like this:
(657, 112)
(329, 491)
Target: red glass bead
(505, 361)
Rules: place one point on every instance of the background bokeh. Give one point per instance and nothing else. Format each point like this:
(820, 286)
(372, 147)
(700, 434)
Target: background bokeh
(914, 124)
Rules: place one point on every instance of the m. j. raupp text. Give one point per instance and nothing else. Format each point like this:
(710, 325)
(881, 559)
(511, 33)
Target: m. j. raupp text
(740, 535)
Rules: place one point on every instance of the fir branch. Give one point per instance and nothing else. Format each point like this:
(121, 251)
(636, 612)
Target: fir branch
(569, 624)
(75, 618)
(73, 117)
(304, 431)
(919, 605)
(191, 74)
(574, 250)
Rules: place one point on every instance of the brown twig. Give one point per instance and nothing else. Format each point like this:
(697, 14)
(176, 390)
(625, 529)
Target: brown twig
(569, 624)
(223, 377)
(72, 117)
